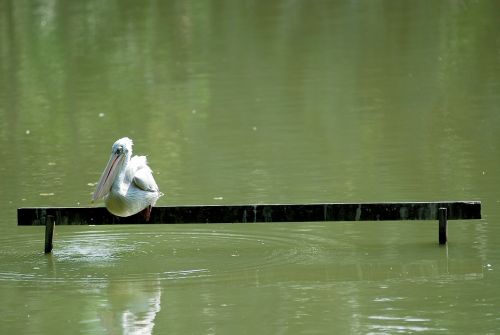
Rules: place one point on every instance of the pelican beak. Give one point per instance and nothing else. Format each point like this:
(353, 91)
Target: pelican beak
(108, 176)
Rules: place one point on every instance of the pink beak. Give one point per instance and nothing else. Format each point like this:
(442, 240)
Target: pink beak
(108, 176)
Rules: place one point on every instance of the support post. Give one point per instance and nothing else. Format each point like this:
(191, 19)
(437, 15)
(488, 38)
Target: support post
(443, 229)
(49, 233)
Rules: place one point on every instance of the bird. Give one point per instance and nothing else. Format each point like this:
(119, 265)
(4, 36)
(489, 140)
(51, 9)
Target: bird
(127, 184)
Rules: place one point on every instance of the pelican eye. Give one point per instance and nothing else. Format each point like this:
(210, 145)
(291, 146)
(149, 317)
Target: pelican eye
(119, 150)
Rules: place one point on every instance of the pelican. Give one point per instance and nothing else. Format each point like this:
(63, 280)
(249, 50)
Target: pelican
(127, 184)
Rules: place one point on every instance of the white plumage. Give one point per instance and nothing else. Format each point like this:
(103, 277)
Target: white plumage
(127, 184)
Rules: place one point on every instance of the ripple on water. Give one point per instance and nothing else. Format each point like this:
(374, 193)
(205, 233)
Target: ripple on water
(95, 255)
(405, 324)
(230, 249)
(78, 256)
(179, 252)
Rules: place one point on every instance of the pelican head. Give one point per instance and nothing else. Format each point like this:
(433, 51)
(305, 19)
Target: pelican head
(121, 151)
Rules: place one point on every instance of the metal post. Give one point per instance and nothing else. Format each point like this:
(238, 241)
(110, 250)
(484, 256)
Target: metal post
(443, 229)
(49, 233)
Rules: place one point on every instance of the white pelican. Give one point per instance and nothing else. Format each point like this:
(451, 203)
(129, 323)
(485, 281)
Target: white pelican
(127, 183)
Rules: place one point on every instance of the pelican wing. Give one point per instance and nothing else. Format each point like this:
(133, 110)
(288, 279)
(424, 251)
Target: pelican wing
(143, 176)
(143, 179)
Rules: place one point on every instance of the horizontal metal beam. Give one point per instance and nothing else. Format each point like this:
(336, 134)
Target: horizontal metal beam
(456, 210)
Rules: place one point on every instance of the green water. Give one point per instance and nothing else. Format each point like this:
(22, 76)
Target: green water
(240, 102)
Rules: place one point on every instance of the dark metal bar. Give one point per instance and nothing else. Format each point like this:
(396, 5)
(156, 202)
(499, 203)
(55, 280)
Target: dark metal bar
(443, 229)
(456, 210)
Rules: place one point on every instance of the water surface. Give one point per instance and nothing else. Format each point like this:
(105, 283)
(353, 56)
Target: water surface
(252, 102)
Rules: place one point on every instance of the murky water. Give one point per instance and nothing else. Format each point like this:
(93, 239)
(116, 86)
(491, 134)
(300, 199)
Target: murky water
(252, 102)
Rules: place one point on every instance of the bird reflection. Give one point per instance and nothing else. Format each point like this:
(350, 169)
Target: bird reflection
(132, 307)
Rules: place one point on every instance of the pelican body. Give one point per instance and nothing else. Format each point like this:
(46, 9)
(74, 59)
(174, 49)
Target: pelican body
(127, 184)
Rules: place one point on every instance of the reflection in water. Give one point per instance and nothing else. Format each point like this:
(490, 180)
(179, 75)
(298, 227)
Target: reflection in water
(328, 274)
(392, 324)
(131, 307)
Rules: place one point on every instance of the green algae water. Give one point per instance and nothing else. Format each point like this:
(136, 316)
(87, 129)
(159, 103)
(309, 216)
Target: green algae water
(239, 102)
